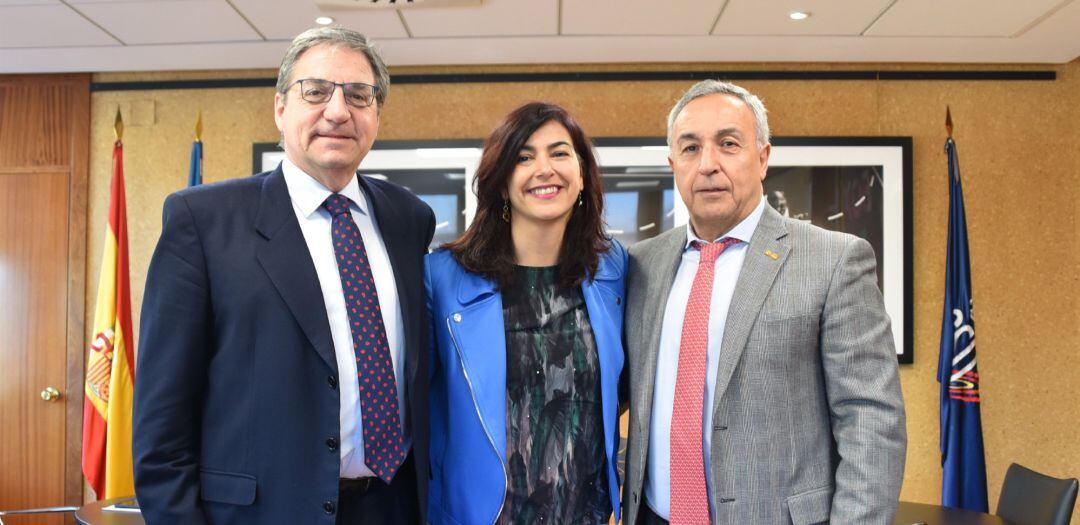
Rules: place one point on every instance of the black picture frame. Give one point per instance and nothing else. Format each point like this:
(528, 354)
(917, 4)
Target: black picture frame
(862, 185)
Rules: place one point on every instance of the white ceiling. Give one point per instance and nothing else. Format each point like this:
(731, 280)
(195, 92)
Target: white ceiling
(123, 35)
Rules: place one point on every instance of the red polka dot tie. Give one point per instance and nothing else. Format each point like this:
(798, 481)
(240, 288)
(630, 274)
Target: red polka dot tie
(689, 498)
(384, 448)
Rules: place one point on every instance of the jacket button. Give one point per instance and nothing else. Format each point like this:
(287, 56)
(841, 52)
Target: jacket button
(332, 381)
(618, 300)
(332, 444)
(457, 318)
(328, 507)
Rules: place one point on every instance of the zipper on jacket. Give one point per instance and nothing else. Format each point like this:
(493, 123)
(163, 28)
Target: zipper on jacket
(483, 424)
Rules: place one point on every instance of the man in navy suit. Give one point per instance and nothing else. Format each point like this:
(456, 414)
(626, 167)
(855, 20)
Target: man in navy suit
(278, 309)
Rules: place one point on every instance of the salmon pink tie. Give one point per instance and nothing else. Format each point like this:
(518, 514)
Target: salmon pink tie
(384, 448)
(689, 498)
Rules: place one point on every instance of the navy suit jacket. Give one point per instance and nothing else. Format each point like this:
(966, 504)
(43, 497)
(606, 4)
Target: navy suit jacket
(236, 399)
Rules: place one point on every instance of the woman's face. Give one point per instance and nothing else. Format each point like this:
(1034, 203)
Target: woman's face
(547, 180)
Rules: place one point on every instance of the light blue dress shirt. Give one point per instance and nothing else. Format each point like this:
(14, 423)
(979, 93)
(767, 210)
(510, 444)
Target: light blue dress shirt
(728, 265)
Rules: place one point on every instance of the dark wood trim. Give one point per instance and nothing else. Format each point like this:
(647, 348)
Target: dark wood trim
(606, 76)
(78, 179)
(77, 79)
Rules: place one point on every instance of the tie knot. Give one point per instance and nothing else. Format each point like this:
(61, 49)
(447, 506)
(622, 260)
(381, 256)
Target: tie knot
(336, 204)
(711, 250)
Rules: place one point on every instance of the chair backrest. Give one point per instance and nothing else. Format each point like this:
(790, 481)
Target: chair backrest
(1030, 498)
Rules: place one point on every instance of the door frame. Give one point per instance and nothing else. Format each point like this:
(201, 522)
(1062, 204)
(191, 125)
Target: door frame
(76, 308)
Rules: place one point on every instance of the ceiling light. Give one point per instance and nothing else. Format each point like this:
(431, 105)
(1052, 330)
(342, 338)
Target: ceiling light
(324, 20)
(798, 15)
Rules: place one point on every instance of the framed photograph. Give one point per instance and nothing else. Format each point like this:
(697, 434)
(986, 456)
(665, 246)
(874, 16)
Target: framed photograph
(861, 186)
(435, 171)
(857, 185)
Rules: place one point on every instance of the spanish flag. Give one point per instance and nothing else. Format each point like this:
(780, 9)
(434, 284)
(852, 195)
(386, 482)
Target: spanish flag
(110, 368)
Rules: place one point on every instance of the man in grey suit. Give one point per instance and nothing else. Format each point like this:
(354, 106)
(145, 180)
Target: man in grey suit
(764, 385)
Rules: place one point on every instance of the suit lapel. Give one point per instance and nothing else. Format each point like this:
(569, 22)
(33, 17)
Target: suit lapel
(287, 262)
(608, 342)
(756, 277)
(661, 265)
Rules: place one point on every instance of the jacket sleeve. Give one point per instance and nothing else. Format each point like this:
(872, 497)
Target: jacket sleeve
(429, 224)
(622, 259)
(433, 354)
(863, 388)
(174, 348)
(430, 227)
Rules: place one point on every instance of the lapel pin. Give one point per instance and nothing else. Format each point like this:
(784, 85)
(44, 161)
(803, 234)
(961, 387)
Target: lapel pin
(773, 255)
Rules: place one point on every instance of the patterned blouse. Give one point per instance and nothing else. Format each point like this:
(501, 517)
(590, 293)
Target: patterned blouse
(554, 420)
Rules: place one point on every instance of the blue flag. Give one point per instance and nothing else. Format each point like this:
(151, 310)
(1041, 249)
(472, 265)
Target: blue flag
(195, 173)
(963, 483)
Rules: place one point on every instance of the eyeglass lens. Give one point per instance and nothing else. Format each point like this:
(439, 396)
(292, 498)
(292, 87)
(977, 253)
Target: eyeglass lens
(319, 91)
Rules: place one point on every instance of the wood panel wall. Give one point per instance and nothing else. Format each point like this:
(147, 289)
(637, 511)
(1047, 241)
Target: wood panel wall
(44, 147)
(1018, 145)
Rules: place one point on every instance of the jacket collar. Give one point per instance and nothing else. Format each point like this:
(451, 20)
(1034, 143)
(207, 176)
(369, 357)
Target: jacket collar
(473, 287)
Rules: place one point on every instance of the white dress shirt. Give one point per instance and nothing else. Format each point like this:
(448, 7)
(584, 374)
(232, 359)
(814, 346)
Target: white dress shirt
(307, 195)
(728, 265)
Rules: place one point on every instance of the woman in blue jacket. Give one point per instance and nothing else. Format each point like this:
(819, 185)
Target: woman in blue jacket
(526, 311)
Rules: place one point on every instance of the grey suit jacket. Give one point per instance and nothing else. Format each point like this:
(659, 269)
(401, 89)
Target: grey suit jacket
(808, 418)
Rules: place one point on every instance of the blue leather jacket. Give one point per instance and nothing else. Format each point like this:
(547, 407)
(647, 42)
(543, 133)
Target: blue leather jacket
(468, 383)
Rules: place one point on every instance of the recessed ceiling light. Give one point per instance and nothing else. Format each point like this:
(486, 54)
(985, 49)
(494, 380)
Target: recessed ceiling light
(798, 15)
(324, 20)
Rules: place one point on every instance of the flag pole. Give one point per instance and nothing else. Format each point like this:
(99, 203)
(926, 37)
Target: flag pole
(961, 443)
(110, 373)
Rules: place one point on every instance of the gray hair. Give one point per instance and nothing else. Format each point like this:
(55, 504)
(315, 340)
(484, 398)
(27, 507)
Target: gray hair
(335, 36)
(716, 87)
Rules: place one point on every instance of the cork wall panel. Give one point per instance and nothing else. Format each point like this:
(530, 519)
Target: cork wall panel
(158, 131)
(616, 109)
(1018, 154)
(473, 110)
(1018, 145)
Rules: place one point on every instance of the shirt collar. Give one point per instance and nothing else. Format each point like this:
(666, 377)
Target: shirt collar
(742, 231)
(308, 194)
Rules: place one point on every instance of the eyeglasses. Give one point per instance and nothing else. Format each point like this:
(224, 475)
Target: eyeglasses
(319, 91)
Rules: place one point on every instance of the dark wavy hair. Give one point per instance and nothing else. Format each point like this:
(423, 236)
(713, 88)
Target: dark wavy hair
(486, 248)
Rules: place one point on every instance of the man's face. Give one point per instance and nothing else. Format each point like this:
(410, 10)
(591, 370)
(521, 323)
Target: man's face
(327, 140)
(717, 163)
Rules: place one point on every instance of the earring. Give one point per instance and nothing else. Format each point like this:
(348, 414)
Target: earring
(506, 211)
(581, 198)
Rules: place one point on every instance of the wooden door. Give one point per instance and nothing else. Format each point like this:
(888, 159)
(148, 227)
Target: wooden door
(44, 136)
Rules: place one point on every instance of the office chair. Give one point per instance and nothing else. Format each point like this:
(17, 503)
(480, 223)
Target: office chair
(1030, 498)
